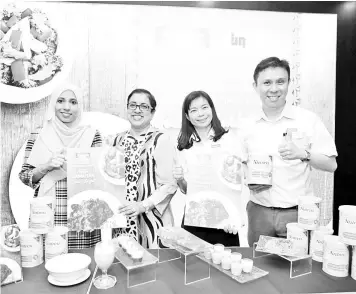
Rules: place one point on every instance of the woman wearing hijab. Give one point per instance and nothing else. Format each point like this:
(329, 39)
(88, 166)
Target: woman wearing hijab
(44, 167)
(150, 186)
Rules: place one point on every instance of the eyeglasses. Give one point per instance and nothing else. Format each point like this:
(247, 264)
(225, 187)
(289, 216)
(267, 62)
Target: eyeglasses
(142, 107)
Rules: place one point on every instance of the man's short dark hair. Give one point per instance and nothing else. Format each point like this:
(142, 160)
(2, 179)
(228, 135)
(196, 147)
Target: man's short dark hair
(271, 62)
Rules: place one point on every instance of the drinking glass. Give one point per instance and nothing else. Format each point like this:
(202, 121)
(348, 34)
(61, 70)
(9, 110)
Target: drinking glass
(104, 255)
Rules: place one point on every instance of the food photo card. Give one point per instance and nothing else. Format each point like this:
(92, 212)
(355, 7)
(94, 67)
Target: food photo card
(96, 188)
(211, 209)
(214, 191)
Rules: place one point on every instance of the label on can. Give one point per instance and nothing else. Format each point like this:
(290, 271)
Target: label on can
(308, 215)
(299, 237)
(55, 244)
(317, 245)
(41, 215)
(347, 228)
(336, 261)
(31, 249)
(259, 169)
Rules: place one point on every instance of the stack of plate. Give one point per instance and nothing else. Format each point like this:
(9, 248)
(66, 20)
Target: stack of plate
(68, 269)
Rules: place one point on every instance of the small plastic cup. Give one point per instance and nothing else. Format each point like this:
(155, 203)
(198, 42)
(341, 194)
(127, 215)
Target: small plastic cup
(236, 268)
(219, 248)
(236, 257)
(217, 256)
(226, 263)
(247, 265)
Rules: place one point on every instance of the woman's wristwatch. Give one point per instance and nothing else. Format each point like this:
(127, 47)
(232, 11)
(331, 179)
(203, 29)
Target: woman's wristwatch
(307, 156)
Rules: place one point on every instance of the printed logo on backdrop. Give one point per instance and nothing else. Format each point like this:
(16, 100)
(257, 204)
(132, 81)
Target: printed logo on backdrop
(237, 40)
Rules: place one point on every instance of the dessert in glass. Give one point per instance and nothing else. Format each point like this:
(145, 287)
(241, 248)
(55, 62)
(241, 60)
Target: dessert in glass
(216, 256)
(104, 255)
(236, 257)
(236, 268)
(137, 255)
(226, 263)
(247, 265)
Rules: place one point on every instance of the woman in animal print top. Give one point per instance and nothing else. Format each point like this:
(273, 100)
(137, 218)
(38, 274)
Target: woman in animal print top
(150, 186)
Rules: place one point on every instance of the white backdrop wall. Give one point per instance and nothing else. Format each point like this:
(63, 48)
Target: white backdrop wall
(172, 51)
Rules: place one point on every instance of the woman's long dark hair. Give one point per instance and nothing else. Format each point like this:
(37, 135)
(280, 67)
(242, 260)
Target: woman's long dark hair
(187, 129)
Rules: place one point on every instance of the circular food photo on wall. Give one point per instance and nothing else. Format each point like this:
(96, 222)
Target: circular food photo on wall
(93, 209)
(33, 59)
(10, 271)
(10, 238)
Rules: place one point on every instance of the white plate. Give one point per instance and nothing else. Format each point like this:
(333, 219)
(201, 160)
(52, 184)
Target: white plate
(229, 206)
(7, 248)
(116, 221)
(10, 249)
(68, 263)
(85, 276)
(110, 199)
(21, 195)
(101, 165)
(16, 274)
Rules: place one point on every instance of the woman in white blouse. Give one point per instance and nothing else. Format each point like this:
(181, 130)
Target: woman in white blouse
(204, 146)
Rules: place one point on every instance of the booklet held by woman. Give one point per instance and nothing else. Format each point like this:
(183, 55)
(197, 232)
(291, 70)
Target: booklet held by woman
(93, 201)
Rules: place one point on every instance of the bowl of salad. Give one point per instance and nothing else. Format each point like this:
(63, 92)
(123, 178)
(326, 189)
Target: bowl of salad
(32, 56)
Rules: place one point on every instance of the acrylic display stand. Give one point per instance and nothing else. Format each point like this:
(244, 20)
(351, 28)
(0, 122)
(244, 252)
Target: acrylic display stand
(195, 269)
(138, 272)
(299, 266)
(168, 254)
(255, 274)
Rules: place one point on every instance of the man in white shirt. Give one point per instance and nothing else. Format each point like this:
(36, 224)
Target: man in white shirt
(296, 139)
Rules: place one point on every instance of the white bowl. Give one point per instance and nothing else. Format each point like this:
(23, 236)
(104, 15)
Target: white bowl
(68, 267)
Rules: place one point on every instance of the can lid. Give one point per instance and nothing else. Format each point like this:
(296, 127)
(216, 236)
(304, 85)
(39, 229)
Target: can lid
(58, 230)
(350, 208)
(334, 240)
(28, 232)
(324, 230)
